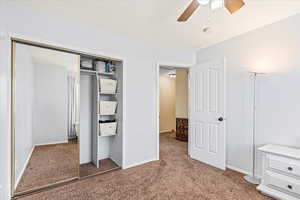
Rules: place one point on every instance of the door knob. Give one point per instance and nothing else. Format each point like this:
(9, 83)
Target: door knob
(221, 119)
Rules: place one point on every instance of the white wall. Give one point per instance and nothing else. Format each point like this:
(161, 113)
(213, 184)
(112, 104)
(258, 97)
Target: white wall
(51, 104)
(5, 114)
(275, 50)
(140, 70)
(85, 119)
(116, 142)
(24, 108)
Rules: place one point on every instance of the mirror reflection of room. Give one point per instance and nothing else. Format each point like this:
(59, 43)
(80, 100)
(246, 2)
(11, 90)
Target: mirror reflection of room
(46, 117)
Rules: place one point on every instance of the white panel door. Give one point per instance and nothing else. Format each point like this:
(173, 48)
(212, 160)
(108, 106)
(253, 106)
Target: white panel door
(207, 113)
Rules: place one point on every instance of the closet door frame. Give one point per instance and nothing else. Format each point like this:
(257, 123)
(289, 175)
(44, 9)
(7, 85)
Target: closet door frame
(13, 41)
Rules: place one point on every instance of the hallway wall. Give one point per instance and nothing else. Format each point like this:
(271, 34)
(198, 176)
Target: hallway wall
(167, 96)
(182, 93)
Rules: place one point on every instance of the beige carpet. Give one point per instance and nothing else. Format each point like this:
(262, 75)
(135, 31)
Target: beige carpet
(50, 164)
(174, 177)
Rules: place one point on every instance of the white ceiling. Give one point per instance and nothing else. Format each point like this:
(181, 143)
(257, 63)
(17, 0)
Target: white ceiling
(154, 21)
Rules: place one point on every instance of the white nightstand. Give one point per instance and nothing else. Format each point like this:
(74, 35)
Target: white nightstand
(281, 172)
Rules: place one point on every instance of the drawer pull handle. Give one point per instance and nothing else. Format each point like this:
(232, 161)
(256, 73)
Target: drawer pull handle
(290, 168)
(290, 187)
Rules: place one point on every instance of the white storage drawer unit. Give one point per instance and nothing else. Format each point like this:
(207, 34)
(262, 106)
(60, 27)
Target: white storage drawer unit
(108, 86)
(281, 172)
(108, 128)
(108, 107)
(282, 182)
(284, 165)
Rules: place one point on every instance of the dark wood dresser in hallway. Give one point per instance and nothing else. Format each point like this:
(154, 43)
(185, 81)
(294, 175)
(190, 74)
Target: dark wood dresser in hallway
(182, 129)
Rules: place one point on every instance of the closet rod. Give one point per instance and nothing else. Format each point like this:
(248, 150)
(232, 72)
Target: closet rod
(87, 75)
(83, 72)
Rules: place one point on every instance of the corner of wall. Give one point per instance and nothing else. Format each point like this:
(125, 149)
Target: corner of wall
(5, 113)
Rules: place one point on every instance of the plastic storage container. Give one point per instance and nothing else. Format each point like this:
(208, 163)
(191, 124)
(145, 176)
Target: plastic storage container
(100, 66)
(108, 107)
(108, 86)
(87, 64)
(107, 128)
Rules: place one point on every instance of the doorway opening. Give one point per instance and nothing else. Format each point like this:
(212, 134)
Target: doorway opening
(173, 109)
(205, 112)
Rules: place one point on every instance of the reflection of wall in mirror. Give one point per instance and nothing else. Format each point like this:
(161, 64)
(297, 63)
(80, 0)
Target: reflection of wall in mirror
(24, 109)
(51, 104)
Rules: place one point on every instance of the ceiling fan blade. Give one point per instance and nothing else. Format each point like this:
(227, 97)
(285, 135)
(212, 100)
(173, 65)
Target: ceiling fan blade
(188, 11)
(233, 5)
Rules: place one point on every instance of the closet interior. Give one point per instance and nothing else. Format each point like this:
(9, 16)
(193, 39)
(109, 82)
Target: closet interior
(100, 115)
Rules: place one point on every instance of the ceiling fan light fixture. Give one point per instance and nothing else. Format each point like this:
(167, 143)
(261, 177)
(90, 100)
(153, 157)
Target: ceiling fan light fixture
(203, 2)
(216, 4)
(172, 75)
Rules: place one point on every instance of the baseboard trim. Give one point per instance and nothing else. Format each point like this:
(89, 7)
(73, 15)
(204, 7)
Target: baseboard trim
(242, 171)
(238, 170)
(50, 143)
(165, 131)
(139, 163)
(24, 167)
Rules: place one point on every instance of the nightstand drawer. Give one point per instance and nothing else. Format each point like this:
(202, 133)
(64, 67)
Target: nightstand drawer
(286, 165)
(285, 183)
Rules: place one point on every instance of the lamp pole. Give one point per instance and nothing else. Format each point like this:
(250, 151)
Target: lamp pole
(251, 178)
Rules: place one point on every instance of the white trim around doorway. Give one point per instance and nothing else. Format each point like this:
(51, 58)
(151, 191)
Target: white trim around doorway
(179, 66)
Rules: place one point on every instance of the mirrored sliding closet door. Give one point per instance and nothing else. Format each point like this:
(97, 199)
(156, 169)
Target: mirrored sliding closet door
(45, 117)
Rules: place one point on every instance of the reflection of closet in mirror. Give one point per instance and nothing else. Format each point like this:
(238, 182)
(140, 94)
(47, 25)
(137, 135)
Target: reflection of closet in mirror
(100, 116)
(45, 90)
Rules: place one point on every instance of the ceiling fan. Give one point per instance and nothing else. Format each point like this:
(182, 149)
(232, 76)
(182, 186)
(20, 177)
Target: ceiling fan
(231, 5)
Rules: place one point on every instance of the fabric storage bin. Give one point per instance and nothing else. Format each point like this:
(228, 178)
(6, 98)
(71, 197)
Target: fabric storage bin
(108, 107)
(107, 128)
(108, 86)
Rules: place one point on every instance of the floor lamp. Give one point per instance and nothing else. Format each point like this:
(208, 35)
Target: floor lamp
(251, 178)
